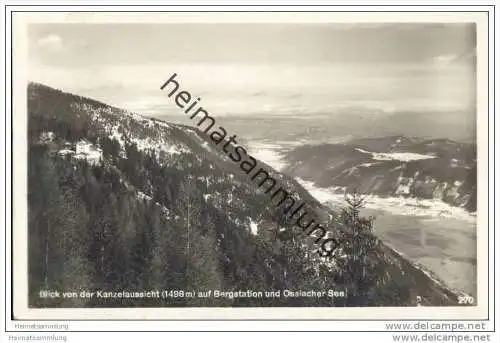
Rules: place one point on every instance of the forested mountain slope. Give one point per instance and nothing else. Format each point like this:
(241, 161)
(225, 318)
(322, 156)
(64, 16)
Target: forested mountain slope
(118, 202)
(437, 169)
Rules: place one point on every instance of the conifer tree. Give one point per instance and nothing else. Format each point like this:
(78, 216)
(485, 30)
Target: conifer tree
(358, 265)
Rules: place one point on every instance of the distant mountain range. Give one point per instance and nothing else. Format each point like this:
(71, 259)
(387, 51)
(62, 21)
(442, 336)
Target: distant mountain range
(392, 166)
(119, 201)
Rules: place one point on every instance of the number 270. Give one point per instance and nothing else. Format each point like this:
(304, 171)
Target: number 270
(465, 299)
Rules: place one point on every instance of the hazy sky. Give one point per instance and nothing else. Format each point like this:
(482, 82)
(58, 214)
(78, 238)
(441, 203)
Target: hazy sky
(76, 45)
(299, 68)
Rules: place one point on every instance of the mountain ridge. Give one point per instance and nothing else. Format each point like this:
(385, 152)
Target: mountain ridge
(392, 166)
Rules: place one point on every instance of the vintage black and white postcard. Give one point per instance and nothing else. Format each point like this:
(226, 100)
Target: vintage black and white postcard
(250, 165)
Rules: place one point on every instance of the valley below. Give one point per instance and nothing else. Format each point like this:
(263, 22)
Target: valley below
(426, 216)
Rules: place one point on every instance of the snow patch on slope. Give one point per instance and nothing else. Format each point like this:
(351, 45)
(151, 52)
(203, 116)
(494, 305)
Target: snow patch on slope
(396, 156)
(115, 122)
(145, 197)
